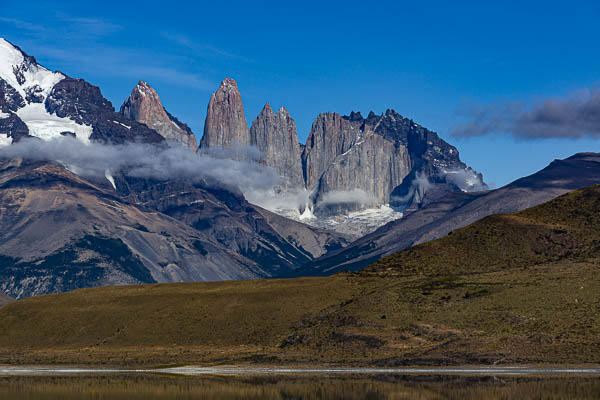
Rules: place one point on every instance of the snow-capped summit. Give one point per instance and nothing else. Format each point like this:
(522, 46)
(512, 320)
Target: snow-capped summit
(32, 81)
(35, 101)
(26, 86)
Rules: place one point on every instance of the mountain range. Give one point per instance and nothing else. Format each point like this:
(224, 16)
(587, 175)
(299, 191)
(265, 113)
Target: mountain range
(348, 164)
(92, 196)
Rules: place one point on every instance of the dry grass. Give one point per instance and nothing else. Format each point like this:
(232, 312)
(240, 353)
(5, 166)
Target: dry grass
(521, 288)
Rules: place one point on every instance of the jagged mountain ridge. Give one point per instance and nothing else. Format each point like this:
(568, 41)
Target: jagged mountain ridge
(169, 229)
(349, 163)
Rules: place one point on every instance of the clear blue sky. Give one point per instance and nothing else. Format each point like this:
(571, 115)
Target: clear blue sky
(424, 59)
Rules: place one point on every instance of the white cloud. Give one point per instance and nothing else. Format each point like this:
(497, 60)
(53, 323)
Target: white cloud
(171, 161)
(354, 196)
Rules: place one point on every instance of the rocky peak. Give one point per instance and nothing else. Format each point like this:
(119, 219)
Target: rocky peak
(275, 136)
(283, 112)
(354, 116)
(225, 124)
(267, 110)
(229, 85)
(144, 106)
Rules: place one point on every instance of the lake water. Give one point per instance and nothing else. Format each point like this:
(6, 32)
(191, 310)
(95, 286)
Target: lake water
(118, 386)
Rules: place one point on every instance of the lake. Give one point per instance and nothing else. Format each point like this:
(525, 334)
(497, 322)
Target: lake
(120, 386)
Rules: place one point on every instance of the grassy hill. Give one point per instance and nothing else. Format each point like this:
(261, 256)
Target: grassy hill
(564, 229)
(517, 288)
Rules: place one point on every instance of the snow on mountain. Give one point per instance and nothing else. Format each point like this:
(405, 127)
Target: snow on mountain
(32, 83)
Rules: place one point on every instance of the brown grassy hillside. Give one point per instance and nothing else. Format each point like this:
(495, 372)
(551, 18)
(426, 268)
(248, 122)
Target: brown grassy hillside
(519, 288)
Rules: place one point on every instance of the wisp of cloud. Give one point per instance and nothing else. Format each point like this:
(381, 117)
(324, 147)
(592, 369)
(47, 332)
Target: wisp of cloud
(163, 162)
(575, 116)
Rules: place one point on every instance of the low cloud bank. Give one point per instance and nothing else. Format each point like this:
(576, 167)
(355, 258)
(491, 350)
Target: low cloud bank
(291, 199)
(145, 161)
(575, 116)
(354, 196)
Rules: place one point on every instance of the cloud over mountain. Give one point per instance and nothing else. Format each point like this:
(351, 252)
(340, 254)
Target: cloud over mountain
(171, 161)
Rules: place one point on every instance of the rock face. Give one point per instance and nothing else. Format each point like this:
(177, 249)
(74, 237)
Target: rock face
(225, 124)
(275, 136)
(351, 162)
(144, 106)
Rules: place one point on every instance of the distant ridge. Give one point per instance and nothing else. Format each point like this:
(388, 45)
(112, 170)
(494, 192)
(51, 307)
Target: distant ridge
(456, 210)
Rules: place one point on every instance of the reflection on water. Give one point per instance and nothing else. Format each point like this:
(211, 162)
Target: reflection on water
(376, 387)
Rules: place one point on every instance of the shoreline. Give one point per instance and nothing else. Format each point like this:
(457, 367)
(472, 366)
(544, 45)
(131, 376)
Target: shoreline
(237, 370)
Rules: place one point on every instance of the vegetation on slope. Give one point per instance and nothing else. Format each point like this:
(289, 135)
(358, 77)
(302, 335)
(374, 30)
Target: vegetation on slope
(564, 229)
(519, 288)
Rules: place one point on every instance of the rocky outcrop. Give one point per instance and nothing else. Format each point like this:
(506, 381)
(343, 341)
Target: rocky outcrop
(144, 106)
(275, 136)
(350, 165)
(225, 125)
(13, 127)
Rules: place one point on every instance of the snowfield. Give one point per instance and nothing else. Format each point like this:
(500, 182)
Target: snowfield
(34, 78)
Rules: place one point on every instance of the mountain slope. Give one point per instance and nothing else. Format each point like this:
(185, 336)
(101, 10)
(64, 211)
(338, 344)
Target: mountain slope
(510, 289)
(223, 214)
(460, 209)
(60, 232)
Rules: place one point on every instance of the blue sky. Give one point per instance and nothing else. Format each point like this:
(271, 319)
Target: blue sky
(427, 62)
